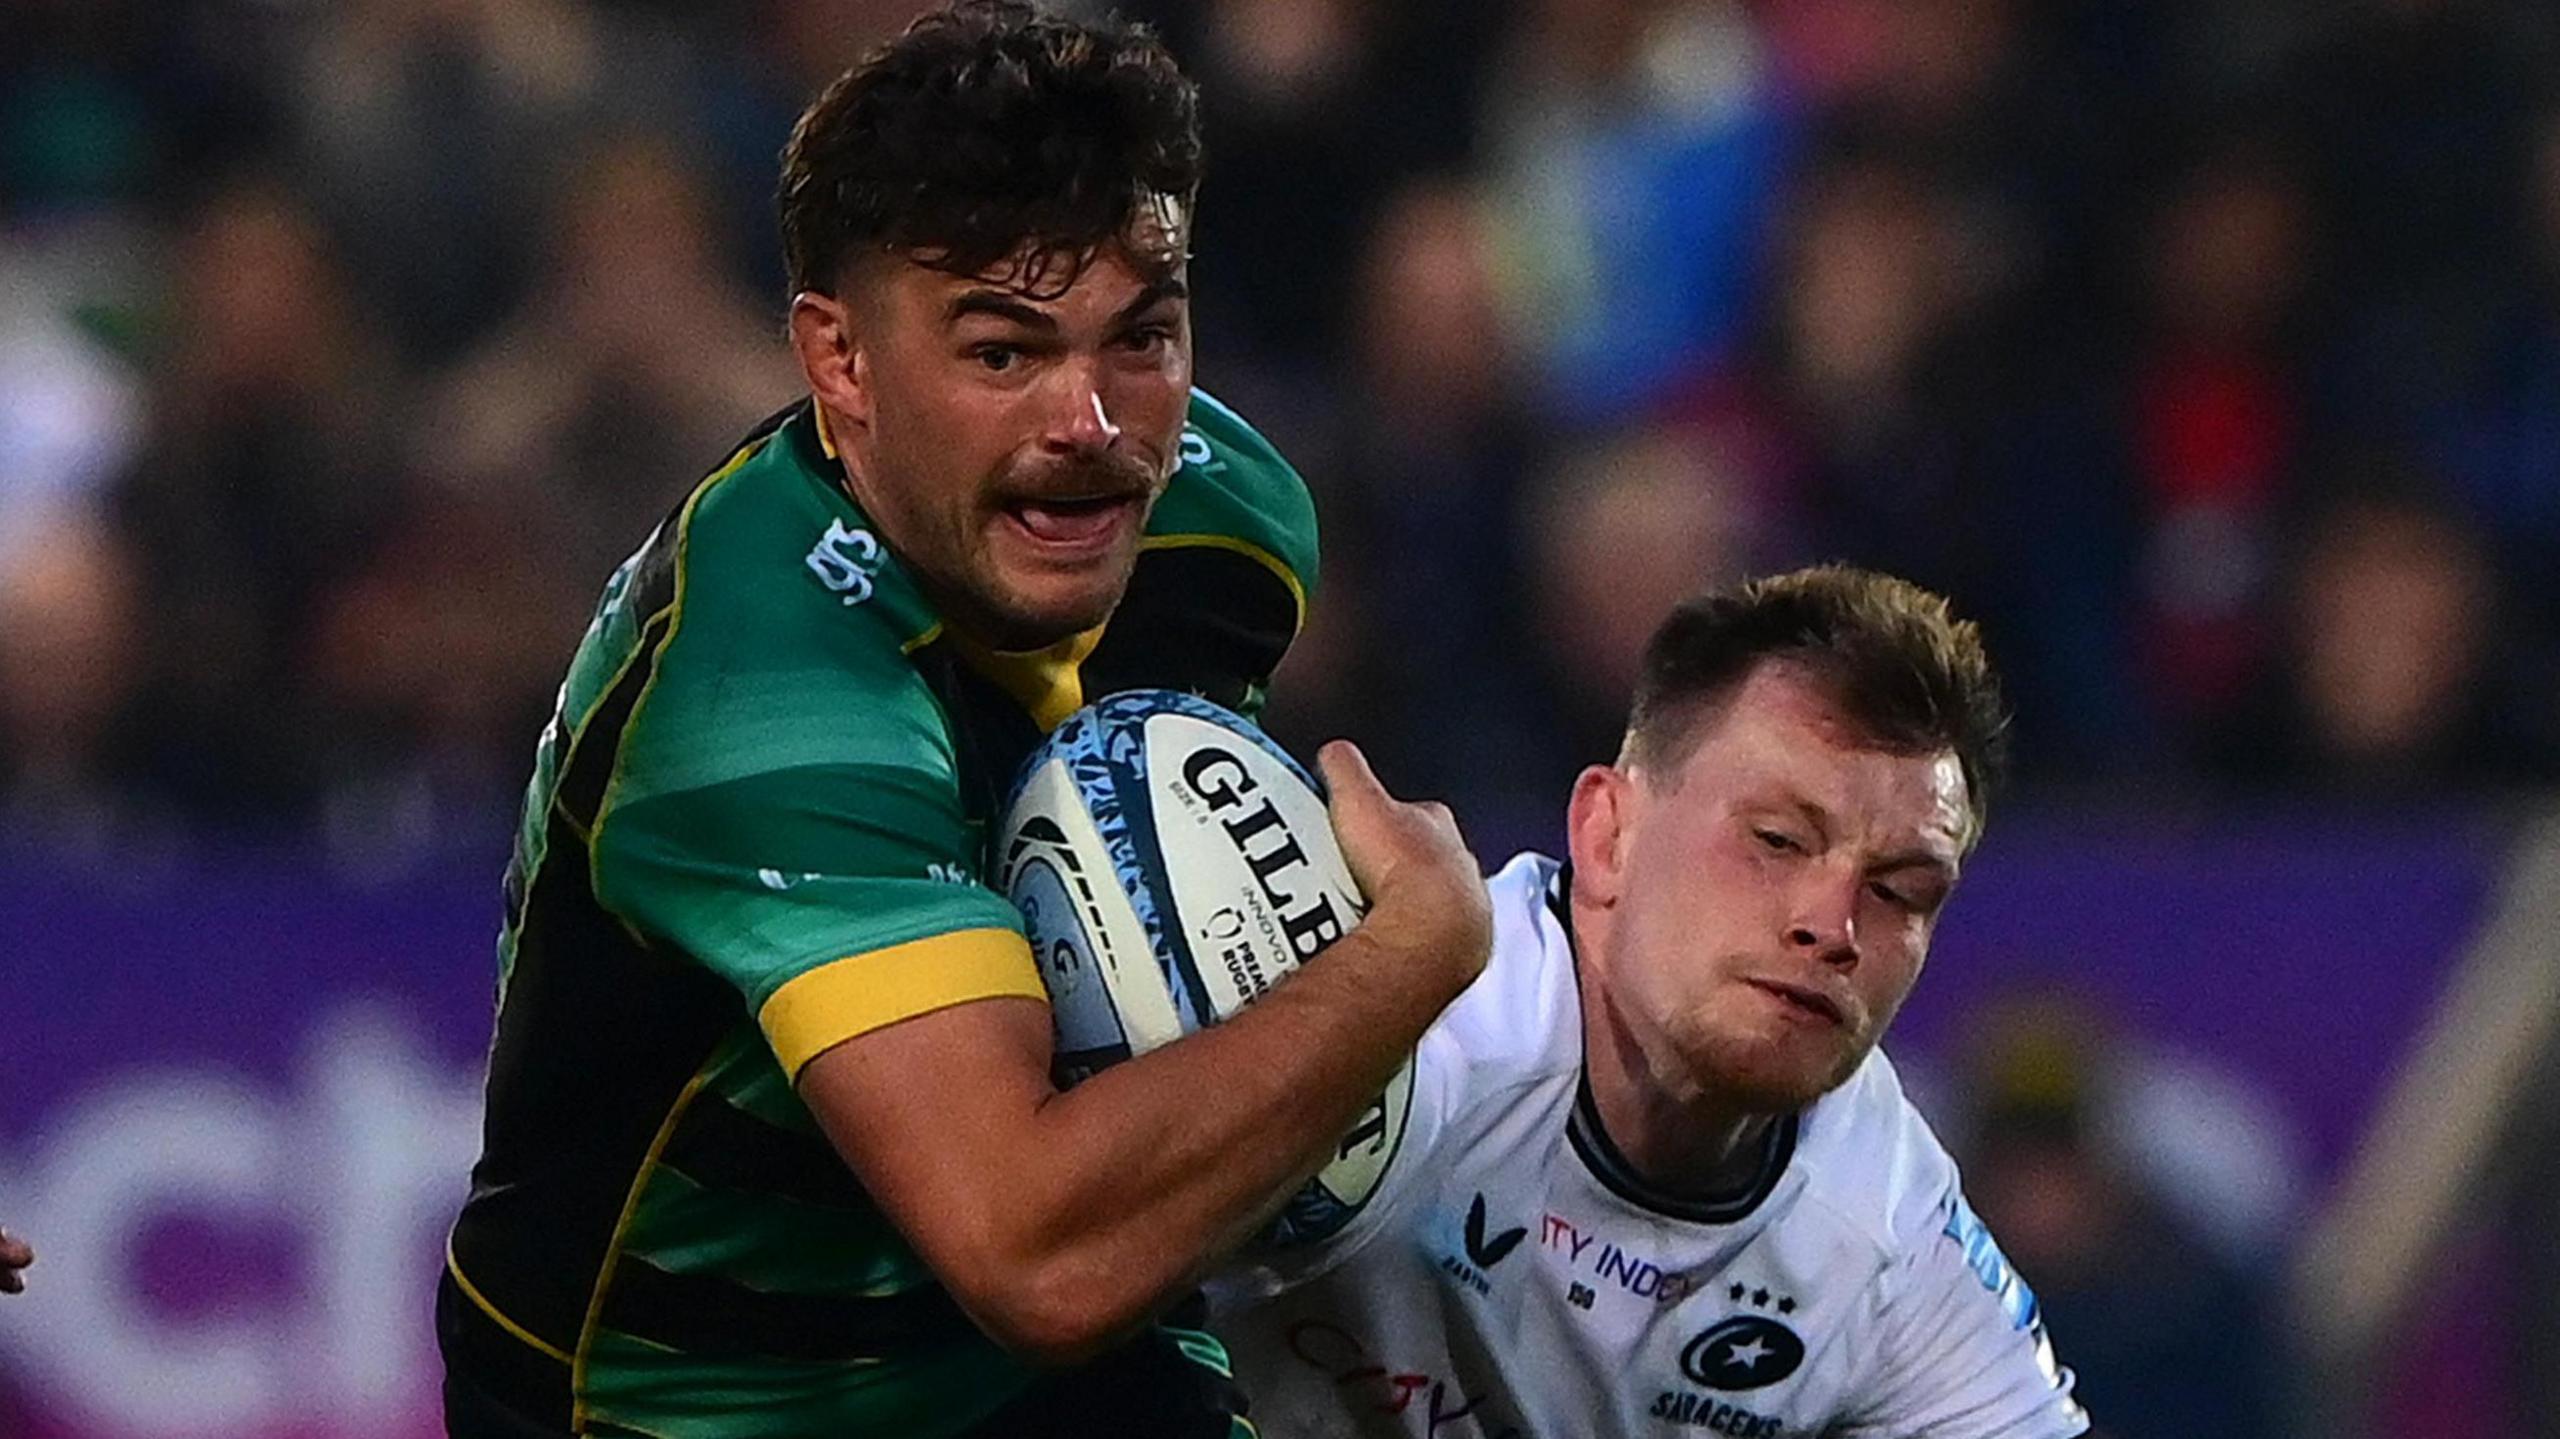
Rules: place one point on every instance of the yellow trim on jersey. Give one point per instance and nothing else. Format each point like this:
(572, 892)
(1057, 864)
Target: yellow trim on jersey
(666, 642)
(578, 732)
(852, 996)
(1048, 683)
(472, 1292)
(613, 1246)
(826, 439)
(1246, 548)
(932, 632)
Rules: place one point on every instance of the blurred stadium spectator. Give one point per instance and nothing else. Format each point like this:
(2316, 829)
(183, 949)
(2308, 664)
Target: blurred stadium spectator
(1429, 453)
(1637, 150)
(263, 471)
(70, 634)
(2392, 679)
(633, 363)
(2169, 1331)
(2215, 421)
(1643, 519)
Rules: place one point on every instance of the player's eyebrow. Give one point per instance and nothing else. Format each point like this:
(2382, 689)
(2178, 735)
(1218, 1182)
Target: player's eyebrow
(1155, 294)
(1913, 859)
(1814, 815)
(1001, 305)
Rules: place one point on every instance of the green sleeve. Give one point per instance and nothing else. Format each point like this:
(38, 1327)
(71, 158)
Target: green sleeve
(785, 808)
(836, 899)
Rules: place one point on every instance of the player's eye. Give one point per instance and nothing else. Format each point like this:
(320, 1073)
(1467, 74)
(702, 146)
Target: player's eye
(1149, 337)
(996, 359)
(1777, 843)
(1892, 896)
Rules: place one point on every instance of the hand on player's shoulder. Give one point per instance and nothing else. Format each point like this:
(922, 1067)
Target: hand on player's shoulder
(1426, 894)
(14, 1256)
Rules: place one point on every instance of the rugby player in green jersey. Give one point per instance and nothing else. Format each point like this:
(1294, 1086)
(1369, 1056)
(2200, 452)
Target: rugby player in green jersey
(771, 1143)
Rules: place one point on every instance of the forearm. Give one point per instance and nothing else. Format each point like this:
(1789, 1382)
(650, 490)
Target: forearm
(1062, 1221)
(1150, 1170)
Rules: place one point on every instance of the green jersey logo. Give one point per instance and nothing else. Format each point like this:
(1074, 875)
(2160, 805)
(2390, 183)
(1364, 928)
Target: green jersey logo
(845, 560)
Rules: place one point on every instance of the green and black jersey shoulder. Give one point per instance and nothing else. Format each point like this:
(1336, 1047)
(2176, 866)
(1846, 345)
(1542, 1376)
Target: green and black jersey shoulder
(1226, 571)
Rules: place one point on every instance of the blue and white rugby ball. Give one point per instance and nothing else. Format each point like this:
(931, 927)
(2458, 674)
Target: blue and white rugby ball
(1171, 864)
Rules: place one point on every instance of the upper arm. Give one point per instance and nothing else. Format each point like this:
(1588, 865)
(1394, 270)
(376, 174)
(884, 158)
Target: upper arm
(926, 1110)
(1964, 1353)
(895, 990)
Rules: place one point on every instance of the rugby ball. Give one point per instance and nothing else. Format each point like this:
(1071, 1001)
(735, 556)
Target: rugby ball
(1172, 864)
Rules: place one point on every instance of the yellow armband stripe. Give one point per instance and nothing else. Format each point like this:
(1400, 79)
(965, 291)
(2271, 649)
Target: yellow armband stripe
(859, 993)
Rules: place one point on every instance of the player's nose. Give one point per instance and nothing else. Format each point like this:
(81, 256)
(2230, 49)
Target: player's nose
(1080, 418)
(1823, 922)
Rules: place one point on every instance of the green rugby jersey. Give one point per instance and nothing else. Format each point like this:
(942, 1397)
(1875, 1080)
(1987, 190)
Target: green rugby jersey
(755, 829)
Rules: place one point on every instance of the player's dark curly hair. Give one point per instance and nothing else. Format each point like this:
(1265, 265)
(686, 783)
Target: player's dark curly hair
(991, 133)
(1902, 670)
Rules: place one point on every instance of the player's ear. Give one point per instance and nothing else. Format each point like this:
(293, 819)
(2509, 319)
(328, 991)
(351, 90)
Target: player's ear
(828, 342)
(1595, 823)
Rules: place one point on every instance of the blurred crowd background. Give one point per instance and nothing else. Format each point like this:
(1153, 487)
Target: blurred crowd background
(2207, 351)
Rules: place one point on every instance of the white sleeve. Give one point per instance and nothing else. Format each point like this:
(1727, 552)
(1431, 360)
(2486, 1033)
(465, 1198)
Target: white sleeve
(1963, 1352)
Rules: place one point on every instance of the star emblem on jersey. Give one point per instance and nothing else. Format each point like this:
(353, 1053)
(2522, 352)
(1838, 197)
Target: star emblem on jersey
(1760, 1298)
(1488, 1253)
(1746, 1351)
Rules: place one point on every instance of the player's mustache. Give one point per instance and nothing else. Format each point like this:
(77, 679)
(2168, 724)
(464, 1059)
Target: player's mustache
(1092, 478)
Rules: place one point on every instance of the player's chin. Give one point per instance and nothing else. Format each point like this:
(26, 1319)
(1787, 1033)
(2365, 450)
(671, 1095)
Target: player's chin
(1779, 1076)
(1051, 602)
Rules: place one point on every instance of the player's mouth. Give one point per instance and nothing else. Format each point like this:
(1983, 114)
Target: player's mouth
(1073, 527)
(1809, 1005)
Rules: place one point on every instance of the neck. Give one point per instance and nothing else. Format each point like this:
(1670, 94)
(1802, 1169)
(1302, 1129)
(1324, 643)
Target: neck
(1680, 1136)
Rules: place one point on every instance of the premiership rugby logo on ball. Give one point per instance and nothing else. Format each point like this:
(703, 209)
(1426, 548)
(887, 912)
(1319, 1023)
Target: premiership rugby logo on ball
(1172, 864)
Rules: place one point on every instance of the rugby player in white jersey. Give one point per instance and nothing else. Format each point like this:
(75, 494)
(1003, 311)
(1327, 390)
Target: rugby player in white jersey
(1657, 1178)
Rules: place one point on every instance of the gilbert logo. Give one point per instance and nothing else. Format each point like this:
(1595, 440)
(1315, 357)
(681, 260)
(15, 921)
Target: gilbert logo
(1486, 1253)
(1261, 835)
(845, 560)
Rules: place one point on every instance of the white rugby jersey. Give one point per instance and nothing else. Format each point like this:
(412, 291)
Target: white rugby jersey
(1514, 1279)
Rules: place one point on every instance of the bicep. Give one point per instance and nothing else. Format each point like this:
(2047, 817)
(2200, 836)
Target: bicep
(931, 1111)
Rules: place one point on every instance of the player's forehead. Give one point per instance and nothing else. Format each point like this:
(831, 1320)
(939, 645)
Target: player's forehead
(1061, 285)
(1779, 742)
